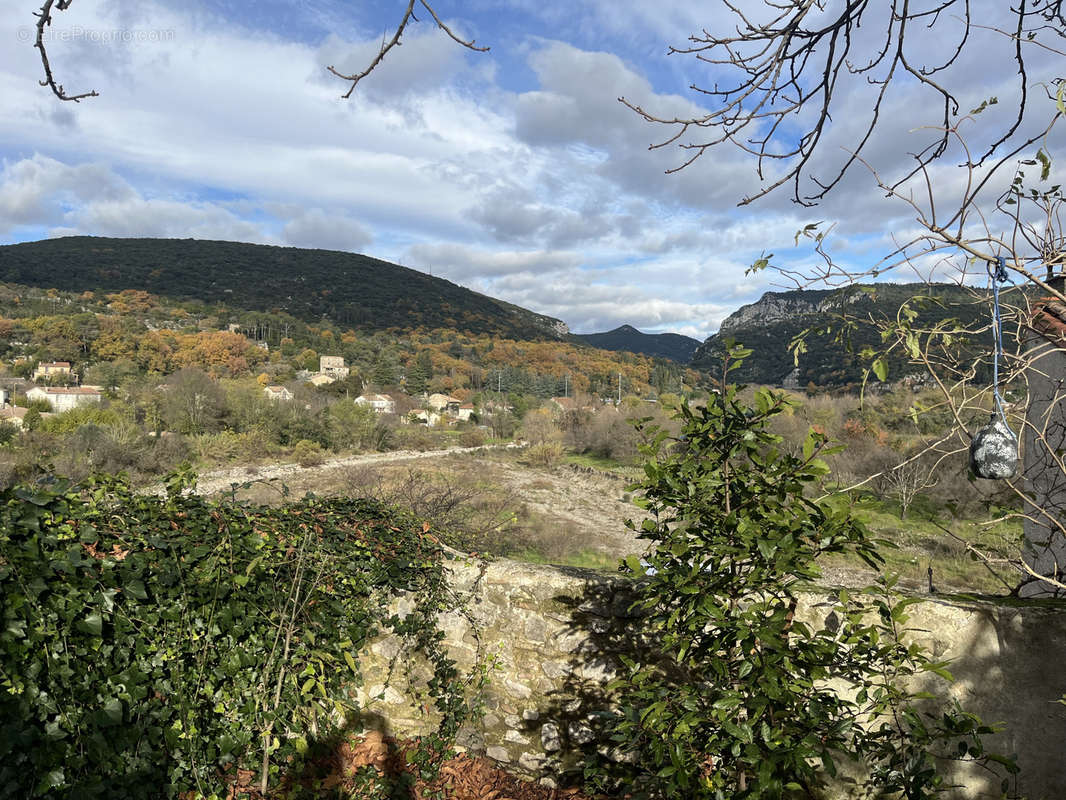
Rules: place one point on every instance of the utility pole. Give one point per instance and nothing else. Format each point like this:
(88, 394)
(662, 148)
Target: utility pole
(566, 385)
(619, 389)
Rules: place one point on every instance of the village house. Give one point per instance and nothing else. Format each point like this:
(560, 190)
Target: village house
(423, 416)
(52, 370)
(64, 399)
(380, 403)
(465, 412)
(333, 366)
(444, 403)
(277, 393)
(321, 380)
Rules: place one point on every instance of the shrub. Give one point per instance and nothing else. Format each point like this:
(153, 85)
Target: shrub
(734, 696)
(472, 438)
(546, 454)
(229, 446)
(8, 433)
(308, 453)
(416, 437)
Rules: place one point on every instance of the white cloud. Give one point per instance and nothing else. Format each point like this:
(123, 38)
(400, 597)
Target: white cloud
(465, 264)
(317, 229)
(92, 199)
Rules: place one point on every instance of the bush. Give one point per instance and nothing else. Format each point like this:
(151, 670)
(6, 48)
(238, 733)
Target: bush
(472, 438)
(308, 453)
(547, 454)
(8, 433)
(733, 695)
(229, 446)
(611, 436)
(416, 437)
(139, 647)
(70, 421)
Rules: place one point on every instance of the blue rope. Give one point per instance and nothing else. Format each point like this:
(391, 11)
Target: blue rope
(997, 273)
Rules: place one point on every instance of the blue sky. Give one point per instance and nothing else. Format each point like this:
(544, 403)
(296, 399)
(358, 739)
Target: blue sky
(514, 172)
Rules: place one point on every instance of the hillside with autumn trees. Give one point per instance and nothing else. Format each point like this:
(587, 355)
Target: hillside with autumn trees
(185, 379)
(111, 334)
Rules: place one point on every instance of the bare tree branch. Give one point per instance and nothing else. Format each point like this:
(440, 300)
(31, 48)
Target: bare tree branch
(405, 20)
(789, 68)
(44, 20)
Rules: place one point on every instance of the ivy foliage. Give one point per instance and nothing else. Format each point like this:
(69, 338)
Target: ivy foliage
(151, 646)
(734, 694)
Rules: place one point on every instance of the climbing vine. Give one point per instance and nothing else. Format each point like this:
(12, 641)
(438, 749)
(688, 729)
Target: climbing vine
(154, 646)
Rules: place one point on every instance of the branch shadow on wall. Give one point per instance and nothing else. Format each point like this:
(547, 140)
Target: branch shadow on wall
(603, 632)
(1007, 667)
(1007, 660)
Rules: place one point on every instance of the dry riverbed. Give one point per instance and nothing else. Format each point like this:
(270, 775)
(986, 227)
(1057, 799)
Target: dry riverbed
(561, 514)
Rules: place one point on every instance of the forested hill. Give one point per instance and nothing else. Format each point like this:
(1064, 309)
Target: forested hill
(352, 290)
(769, 325)
(672, 346)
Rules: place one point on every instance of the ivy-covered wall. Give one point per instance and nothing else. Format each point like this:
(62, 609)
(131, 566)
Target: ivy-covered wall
(556, 635)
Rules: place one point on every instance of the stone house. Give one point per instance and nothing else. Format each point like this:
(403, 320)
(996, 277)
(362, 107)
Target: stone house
(12, 415)
(423, 416)
(333, 366)
(444, 403)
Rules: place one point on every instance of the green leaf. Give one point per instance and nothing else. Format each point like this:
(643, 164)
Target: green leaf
(350, 661)
(93, 624)
(113, 710)
(880, 369)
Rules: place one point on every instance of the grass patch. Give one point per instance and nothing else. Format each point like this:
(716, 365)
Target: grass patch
(920, 543)
(584, 559)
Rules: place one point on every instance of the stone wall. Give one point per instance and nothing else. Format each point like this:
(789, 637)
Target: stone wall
(1044, 437)
(555, 633)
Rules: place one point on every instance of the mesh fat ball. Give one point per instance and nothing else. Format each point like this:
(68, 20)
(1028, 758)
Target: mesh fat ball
(994, 451)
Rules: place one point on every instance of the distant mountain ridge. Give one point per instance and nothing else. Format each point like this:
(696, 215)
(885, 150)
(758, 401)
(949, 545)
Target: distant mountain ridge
(351, 289)
(769, 325)
(672, 346)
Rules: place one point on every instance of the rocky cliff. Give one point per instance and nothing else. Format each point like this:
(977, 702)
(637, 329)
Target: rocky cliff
(778, 306)
(832, 360)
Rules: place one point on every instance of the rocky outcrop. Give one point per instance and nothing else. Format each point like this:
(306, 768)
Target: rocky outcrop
(553, 637)
(771, 307)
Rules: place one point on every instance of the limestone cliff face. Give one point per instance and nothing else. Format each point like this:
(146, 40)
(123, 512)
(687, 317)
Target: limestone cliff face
(768, 325)
(771, 307)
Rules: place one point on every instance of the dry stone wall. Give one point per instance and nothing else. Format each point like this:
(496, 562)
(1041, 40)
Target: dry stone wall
(553, 636)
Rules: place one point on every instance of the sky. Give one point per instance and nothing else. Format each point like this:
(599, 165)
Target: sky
(515, 172)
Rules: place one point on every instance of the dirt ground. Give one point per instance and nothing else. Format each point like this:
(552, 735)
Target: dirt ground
(564, 514)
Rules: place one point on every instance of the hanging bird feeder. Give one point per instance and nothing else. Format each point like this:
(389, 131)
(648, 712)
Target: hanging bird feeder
(994, 448)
